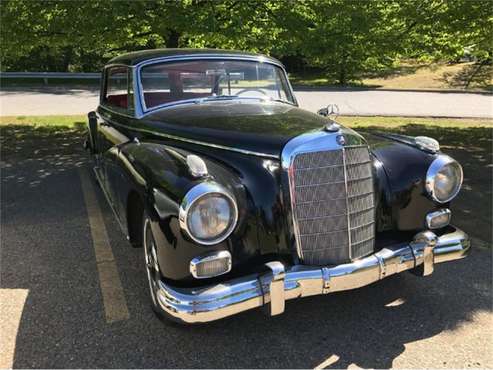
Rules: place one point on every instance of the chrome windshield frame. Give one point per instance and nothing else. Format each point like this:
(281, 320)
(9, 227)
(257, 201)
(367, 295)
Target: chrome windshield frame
(141, 108)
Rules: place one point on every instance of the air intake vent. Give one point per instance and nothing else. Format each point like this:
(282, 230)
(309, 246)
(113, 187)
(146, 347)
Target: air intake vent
(333, 205)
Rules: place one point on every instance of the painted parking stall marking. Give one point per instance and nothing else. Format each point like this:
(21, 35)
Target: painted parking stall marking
(115, 304)
(12, 303)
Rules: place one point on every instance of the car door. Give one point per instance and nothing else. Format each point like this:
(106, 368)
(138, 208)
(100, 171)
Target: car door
(115, 109)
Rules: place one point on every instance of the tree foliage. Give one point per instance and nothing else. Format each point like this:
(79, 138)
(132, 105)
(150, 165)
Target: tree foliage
(345, 38)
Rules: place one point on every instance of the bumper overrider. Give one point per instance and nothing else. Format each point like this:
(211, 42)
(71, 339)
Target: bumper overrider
(280, 283)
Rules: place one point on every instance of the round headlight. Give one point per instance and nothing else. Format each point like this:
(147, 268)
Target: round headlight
(444, 179)
(208, 213)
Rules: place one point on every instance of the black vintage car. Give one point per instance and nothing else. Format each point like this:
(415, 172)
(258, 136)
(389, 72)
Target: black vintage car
(241, 199)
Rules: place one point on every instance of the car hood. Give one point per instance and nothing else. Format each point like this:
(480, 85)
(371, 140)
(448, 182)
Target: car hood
(404, 163)
(252, 126)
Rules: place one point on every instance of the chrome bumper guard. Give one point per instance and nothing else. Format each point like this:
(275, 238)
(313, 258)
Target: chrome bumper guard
(277, 285)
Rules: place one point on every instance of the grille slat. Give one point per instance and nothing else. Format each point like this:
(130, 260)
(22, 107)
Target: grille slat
(316, 193)
(333, 204)
(317, 226)
(319, 176)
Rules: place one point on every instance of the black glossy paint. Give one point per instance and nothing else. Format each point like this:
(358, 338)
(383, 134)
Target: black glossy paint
(405, 167)
(256, 126)
(146, 158)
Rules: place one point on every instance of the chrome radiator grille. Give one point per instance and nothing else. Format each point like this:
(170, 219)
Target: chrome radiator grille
(333, 205)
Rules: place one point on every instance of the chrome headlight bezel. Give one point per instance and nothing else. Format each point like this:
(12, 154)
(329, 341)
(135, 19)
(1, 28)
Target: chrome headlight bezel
(198, 192)
(435, 167)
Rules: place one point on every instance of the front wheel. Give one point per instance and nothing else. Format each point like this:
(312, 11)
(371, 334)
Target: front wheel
(151, 263)
(153, 271)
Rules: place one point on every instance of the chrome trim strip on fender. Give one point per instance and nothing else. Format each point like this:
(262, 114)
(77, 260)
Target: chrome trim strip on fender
(191, 141)
(195, 305)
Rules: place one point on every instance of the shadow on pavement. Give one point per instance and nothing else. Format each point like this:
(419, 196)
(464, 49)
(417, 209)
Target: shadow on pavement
(47, 150)
(47, 249)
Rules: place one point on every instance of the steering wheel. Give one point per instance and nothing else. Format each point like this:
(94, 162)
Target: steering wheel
(251, 89)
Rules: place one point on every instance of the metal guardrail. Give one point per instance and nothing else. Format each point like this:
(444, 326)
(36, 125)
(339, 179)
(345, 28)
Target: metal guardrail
(51, 75)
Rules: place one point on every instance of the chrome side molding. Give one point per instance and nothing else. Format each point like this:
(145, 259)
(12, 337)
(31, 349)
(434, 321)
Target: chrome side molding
(279, 284)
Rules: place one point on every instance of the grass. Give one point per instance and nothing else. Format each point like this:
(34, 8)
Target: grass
(415, 76)
(44, 121)
(435, 76)
(397, 122)
(350, 121)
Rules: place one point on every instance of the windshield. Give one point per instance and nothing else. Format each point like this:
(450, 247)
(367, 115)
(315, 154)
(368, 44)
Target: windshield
(166, 83)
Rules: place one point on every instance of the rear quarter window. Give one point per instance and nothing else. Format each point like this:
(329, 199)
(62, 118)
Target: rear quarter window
(116, 94)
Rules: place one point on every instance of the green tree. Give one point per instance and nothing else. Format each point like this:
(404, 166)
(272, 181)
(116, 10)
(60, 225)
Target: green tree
(344, 38)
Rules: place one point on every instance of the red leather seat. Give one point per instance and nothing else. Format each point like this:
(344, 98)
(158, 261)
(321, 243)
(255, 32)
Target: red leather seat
(118, 100)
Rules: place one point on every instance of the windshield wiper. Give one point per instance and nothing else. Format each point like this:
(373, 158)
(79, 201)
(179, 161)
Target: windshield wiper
(230, 97)
(280, 101)
(217, 97)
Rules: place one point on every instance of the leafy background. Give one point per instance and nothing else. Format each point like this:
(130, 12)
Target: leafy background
(343, 40)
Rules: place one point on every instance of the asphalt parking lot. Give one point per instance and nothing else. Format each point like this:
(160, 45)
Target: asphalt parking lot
(59, 310)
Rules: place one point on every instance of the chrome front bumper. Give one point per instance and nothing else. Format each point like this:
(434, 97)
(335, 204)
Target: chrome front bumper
(277, 285)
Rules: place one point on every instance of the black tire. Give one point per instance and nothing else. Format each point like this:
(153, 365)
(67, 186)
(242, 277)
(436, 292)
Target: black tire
(95, 179)
(151, 263)
(153, 273)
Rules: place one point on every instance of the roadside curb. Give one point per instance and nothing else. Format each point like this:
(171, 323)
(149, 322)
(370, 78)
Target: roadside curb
(296, 88)
(405, 116)
(351, 88)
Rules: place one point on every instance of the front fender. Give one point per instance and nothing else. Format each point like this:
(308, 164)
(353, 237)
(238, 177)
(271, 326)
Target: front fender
(405, 167)
(167, 179)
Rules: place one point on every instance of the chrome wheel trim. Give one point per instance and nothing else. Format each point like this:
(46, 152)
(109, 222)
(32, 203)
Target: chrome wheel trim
(150, 259)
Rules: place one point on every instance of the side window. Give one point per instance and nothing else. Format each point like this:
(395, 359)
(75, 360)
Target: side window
(130, 92)
(117, 87)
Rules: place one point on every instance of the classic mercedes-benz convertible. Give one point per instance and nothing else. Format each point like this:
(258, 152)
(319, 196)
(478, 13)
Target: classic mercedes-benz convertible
(241, 199)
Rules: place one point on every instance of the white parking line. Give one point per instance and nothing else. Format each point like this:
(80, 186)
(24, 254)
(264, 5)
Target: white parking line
(12, 303)
(330, 361)
(115, 304)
